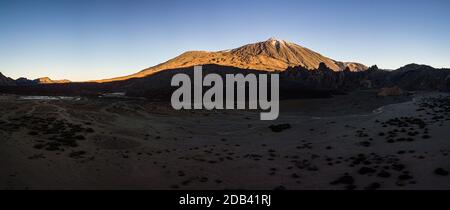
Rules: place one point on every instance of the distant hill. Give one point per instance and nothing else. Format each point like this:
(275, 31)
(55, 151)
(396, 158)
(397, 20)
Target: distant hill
(410, 77)
(6, 81)
(270, 55)
(46, 80)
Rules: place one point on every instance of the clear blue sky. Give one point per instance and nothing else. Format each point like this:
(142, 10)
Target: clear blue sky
(94, 39)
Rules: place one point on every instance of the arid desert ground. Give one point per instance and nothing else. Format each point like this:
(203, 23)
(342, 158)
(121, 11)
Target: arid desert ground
(355, 141)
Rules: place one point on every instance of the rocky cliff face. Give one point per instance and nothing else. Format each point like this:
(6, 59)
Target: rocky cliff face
(6, 81)
(299, 81)
(325, 78)
(410, 77)
(420, 77)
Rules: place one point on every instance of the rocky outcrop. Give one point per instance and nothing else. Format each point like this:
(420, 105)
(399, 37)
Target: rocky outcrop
(22, 81)
(325, 78)
(415, 77)
(447, 83)
(410, 77)
(351, 66)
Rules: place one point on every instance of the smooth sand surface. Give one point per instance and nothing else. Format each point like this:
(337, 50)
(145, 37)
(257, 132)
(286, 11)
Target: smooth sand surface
(356, 141)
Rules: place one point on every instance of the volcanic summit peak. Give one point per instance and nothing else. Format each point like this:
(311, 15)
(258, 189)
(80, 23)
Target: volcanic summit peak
(271, 55)
(274, 41)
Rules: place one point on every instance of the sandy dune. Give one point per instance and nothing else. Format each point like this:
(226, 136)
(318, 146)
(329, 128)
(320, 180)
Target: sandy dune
(269, 55)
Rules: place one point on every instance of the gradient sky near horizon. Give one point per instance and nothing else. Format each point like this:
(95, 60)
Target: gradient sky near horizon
(95, 39)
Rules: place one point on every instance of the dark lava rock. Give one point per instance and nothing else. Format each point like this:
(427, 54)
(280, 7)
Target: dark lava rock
(374, 186)
(295, 176)
(203, 179)
(441, 172)
(398, 167)
(39, 146)
(405, 177)
(279, 128)
(384, 174)
(346, 179)
(366, 170)
(365, 144)
(33, 133)
(90, 130)
(78, 154)
(280, 188)
(350, 187)
(80, 137)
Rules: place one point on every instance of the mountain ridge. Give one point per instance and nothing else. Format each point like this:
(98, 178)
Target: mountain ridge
(7, 81)
(270, 55)
(47, 80)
